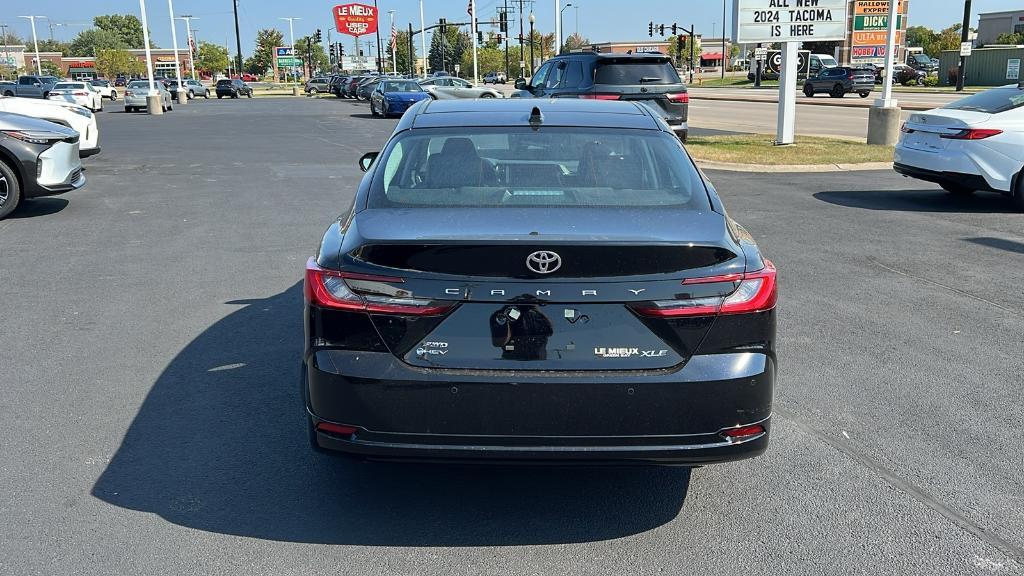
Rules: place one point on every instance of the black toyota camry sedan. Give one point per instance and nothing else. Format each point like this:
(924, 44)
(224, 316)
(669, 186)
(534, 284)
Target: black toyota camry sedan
(538, 281)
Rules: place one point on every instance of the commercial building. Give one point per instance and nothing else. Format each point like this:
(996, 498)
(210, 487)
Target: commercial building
(24, 58)
(992, 24)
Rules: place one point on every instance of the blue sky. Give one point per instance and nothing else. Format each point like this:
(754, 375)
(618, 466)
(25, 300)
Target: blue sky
(598, 19)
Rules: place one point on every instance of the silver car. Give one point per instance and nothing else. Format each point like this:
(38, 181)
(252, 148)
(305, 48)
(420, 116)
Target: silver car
(451, 88)
(137, 90)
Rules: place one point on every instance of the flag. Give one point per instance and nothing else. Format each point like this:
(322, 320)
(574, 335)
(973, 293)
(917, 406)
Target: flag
(469, 8)
(394, 37)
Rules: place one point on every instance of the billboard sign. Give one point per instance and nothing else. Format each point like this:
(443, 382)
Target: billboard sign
(871, 30)
(783, 21)
(355, 19)
(283, 51)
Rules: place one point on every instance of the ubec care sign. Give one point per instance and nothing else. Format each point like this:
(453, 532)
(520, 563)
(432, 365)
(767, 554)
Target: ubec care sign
(355, 19)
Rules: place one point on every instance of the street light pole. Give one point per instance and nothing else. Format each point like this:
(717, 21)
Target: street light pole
(291, 37)
(569, 5)
(532, 20)
(35, 41)
(177, 63)
(723, 41)
(558, 27)
(423, 40)
(238, 42)
(154, 101)
(188, 18)
(962, 70)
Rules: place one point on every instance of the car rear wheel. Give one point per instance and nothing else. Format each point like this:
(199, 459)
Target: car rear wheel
(206, 94)
(314, 91)
(10, 191)
(113, 95)
(864, 94)
(8, 93)
(837, 91)
(219, 96)
(487, 95)
(250, 94)
(1018, 193)
(191, 94)
(808, 91)
(956, 189)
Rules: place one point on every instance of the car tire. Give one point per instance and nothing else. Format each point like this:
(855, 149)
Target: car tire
(10, 190)
(113, 95)
(957, 190)
(8, 93)
(808, 91)
(1018, 193)
(865, 94)
(191, 95)
(219, 96)
(837, 91)
(487, 95)
(250, 94)
(206, 94)
(234, 95)
(313, 91)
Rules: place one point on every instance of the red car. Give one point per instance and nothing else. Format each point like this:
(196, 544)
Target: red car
(246, 77)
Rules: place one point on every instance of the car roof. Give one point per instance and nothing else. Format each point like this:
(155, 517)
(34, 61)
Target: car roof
(616, 55)
(517, 112)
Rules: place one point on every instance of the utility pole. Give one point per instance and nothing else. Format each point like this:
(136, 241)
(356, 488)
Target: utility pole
(504, 30)
(180, 92)
(724, 55)
(193, 46)
(380, 53)
(35, 41)
(238, 42)
(7, 57)
(962, 71)
(522, 53)
(423, 40)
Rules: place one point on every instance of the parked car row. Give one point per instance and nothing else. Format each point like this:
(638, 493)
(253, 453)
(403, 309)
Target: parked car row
(42, 142)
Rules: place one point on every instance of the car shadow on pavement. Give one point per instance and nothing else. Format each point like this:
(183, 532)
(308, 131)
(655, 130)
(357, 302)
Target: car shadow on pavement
(922, 200)
(36, 207)
(998, 244)
(220, 445)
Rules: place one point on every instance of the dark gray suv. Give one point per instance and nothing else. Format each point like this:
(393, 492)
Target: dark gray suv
(839, 81)
(647, 78)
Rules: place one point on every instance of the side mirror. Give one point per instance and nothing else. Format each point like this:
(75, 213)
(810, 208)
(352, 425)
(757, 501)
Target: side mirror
(37, 84)
(469, 85)
(367, 160)
(521, 84)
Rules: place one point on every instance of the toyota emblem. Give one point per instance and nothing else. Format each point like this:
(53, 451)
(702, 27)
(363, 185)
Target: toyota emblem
(543, 262)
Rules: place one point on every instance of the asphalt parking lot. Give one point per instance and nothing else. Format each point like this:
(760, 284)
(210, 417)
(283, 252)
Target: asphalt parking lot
(151, 422)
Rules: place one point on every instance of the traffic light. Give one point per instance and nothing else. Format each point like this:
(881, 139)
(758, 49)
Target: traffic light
(503, 22)
(675, 28)
(443, 23)
(499, 38)
(661, 29)
(480, 36)
(317, 36)
(650, 29)
(341, 50)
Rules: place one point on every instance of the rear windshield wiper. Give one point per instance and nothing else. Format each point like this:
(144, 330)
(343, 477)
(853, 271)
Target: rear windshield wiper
(646, 79)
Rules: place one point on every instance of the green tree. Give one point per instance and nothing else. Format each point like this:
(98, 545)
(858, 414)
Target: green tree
(673, 48)
(211, 58)
(90, 42)
(112, 62)
(11, 39)
(320, 61)
(1008, 38)
(263, 57)
(489, 59)
(405, 60)
(543, 45)
(48, 46)
(125, 26)
(948, 39)
(447, 49)
(51, 69)
(8, 72)
(574, 42)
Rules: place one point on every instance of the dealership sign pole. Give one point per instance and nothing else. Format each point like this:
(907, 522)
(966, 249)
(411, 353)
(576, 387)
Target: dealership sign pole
(355, 20)
(789, 22)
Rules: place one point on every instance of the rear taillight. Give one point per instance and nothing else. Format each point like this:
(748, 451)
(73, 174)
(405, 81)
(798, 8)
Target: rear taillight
(336, 429)
(365, 293)
(754, 292)
(600, 96)
(973, 134)
(680, 98)
(80, 93)
(742, 433)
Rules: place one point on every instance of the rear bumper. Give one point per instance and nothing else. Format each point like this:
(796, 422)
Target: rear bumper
(963, 179)
(955, 165)
(661, 417)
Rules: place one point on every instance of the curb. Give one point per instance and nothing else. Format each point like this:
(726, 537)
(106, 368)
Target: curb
(791, 168)
(805, 101)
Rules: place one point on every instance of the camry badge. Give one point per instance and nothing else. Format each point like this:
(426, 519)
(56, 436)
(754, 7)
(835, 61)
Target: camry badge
(543, 262)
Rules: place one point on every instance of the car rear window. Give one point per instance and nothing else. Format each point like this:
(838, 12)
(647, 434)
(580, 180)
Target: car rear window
(631, 72)
(223, 82)
(991, 101)
(515, 167)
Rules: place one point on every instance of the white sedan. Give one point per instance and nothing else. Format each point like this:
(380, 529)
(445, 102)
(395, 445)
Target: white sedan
(976, 143)
(73, 116)
(81, 93)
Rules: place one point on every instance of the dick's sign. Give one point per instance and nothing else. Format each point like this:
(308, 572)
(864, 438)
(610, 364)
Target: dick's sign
(790, 20)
